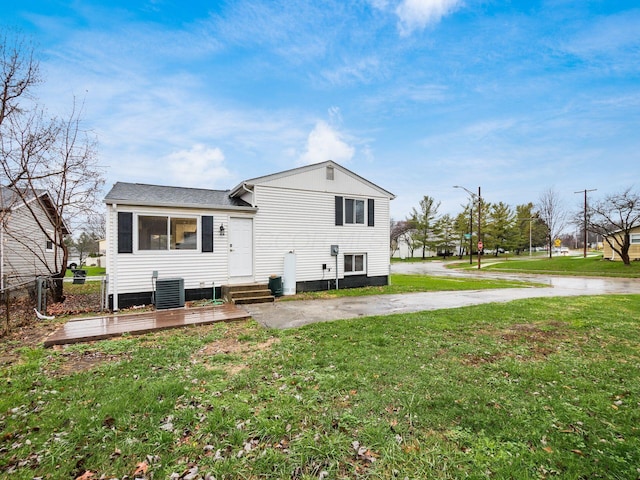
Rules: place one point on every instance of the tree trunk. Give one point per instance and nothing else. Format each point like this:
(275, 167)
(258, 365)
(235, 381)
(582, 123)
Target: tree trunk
(58, 287)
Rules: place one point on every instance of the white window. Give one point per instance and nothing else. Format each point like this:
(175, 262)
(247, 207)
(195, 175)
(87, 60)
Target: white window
(634, 239)
(355, 263)
(162, 233)
(49, 242)
(353, 211)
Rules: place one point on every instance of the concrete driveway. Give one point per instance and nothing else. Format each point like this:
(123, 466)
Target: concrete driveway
(292, 314)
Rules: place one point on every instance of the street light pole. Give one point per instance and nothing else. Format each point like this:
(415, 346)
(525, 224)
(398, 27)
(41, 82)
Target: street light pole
(471, 233)
(479, 196)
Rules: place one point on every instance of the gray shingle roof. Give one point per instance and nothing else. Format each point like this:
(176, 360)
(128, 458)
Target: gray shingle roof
(143, 194)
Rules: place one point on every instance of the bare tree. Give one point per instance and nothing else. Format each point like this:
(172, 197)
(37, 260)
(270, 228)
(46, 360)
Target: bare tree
(552, 214)
(614, 217)
(398, 229)
(40, 154)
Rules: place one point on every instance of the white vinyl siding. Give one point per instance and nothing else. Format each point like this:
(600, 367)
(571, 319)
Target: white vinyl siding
(26, 247)
(131, 272)
(304, 222)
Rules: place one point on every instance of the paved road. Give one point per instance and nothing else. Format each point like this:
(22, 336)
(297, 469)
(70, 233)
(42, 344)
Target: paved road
(297, 313)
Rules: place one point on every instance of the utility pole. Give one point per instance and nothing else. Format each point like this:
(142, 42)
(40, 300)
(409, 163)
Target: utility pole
(585, 217)
(480, 244)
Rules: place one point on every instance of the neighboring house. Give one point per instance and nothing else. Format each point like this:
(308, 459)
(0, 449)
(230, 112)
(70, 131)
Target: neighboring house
(634, 247)
(25, 250)
(212, 238)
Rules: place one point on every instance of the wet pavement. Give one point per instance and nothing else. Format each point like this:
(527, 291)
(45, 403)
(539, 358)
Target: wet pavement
(289, 314)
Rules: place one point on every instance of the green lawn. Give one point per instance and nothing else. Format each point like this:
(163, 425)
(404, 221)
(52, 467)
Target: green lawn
(91, 271)
(413, 283)
(593, 266)
(533, 389)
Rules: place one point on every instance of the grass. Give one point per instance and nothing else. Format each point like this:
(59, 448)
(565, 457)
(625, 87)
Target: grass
(91, 271)
(591, 266)
(534, 389)
(413, 283)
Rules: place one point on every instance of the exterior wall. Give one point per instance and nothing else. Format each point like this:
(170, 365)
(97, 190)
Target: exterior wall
(24, 252)
(289, 219)
(634, 249)
(294, 213)
(132, 272)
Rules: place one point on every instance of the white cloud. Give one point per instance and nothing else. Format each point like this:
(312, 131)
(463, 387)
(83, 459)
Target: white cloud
(201, 166)
(417, 14)
(325, 143)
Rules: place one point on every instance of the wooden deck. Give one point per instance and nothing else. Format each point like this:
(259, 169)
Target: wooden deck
(99, 328)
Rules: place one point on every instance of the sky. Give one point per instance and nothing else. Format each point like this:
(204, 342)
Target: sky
(515, 97)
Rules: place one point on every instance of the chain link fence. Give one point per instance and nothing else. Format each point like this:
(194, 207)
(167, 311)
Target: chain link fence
(32, 301)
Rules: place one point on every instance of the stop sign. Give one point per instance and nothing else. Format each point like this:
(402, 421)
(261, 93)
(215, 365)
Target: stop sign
(480, 245)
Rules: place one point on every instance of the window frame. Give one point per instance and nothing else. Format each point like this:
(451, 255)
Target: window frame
(351, 213)
(48, 242)
(634, 239)
(168, 233)
(353, 256)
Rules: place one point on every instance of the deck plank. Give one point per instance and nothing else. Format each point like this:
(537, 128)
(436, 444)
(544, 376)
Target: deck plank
(108, 326)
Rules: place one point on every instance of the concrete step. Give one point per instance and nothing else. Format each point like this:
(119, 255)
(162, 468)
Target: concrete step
(250, 293)
(249, 300)
(247, 293)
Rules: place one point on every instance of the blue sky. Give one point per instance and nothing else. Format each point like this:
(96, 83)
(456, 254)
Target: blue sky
(414, 95)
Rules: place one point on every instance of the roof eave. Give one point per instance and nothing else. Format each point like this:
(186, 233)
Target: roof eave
(197, 206)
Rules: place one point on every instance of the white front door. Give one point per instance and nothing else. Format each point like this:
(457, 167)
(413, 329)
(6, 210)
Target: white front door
(241, 247)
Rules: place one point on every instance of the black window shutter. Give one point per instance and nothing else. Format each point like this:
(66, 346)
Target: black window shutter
(371, 213)
(339, 214)
(125, 232)
(207, 233)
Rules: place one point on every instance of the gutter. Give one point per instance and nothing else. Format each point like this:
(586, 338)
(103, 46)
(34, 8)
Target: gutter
(198, 206)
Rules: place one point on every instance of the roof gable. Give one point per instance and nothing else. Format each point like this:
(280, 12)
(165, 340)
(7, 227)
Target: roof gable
(314, 177)
(11, 200)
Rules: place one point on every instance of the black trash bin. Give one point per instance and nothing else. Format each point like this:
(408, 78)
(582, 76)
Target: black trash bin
(275, 285)
(79, 276)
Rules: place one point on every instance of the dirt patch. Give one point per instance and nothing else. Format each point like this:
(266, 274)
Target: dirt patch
(73, 362)
(540, 340)
(230, 344)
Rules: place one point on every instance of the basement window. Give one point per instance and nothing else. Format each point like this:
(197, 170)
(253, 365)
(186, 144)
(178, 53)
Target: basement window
(354, 263)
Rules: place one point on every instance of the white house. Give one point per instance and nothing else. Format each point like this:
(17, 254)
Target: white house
(27, 228)
(287, 224)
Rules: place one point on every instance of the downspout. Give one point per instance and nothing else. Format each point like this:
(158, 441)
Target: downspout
(244, 187)
(112, 277)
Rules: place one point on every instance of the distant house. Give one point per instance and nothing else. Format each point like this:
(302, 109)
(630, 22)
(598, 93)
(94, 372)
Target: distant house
(26, 252)
(311, 225)
(634, 248)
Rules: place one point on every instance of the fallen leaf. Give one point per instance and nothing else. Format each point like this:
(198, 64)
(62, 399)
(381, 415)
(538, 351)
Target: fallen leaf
(86, 476)
(577, 452)
(548, 449)
(141, 468)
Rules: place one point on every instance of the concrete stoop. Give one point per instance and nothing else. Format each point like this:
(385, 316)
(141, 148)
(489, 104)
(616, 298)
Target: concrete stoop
(247, 293)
